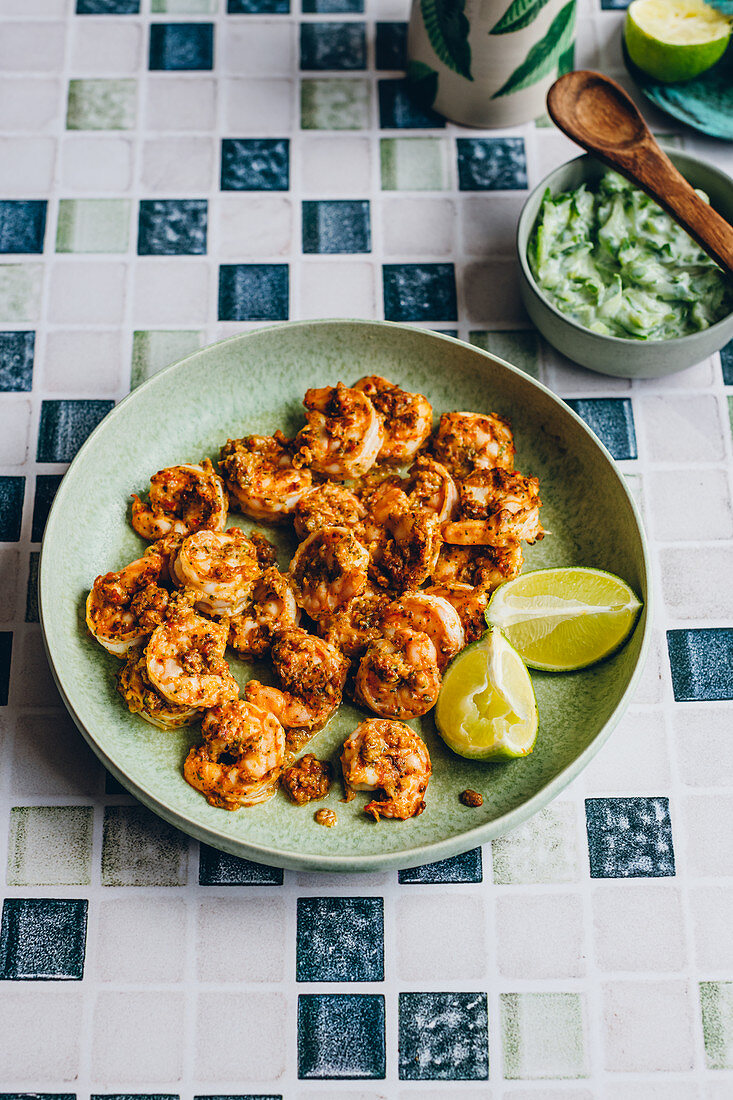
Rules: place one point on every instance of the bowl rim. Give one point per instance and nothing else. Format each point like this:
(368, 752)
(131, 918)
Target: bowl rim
(620, 341)
(407, 857)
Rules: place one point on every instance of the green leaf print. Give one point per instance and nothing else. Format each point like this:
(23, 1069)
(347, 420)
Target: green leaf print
(518, 15)
(566, 63)
(545, 54)
(447, 28)
(423, 83)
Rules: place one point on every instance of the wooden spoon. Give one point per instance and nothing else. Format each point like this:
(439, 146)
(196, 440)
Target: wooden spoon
(597, 113)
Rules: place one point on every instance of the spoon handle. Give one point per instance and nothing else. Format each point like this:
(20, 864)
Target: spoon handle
(596, 113)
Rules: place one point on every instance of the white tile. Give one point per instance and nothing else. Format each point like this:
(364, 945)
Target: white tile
(178, 164)
(489, 224)
(137, 1037)
(106, 47)
(30, 103)
(171, 291)
(93, 164)
(707, 512)
(708, 826)
(258, 107)
(418, 227)
(552, 1092)
(440, 936)
(32, 683)
(252, 1045)
(40, 1029)
(35, 7)
(649, 1090)
(264, 48)
(648, 1026)
(553, 149)
(32, 47)
(86, 293)
(686, 587)
(540, 936)
(390, 10)
(339, 289)
(711, 909)
(649, 689)
(491, 294)
(140, 939)
(682, 429)
(258, 923)
(638, 926)
(635, 757)
(15, 436)
(317, 880)
(569, 378)
(51, 758)
(84, 363)
(253, 225)
(26, 166)
(543, 849)
(703, 744)
(698, 376)
(176, 103)
(335, 167)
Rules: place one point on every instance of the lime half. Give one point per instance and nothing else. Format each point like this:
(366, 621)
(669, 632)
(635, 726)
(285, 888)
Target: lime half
(563, 619)
(486, 707)
(675, 39)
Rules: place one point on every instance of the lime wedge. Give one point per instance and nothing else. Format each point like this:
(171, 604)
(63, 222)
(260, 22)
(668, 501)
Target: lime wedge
(675, 39)
(486, 708)
(563, 619)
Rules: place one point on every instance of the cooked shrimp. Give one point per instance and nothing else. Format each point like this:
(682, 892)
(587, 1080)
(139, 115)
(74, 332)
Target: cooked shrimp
(266, 551)
(430, 485)
(220, 566)
(344, 433)
(272, 608)
(480, 566)
(327, 505)
(398, 676)
(470, 603)
(405, 547)
(124, 607)
(469, 441)
(388, 757)
(496, 507)
(185, 661)
(309, 666)
(142, 698)
(407, 418)
(241, 758)
(301, 720)
(261, 478)
(356, 625)
(328, 570)
(182, 499)
(431, 614)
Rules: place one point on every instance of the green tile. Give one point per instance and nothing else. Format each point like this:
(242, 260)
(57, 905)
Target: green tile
(543, 1036)
(50, 846)
(544, 849)
(414, 164)
(521, 349)
(93, 225)
(334, 104)
(138, 849)
(20, 292)
(155, 349)
(544, 122)
(101, 105)
(669, 141)
(716, 1001)
(185, 7)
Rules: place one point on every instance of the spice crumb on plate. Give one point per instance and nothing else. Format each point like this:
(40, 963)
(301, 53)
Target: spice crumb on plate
(471, 798)
(307, 780)
(325, 817)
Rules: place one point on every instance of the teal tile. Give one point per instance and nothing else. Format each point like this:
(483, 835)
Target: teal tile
(414, 164)
(20, 292)
(716, 1002)
(334, 104)
(101, 105)
(138, 849)
(521, 349)
(544, 849)
(93, 225)
(50, 846)
(152, 350)
(543, 1036)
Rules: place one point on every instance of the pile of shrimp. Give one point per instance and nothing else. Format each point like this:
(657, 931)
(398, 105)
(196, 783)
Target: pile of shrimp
(403, 533)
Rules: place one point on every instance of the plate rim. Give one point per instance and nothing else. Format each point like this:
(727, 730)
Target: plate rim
(409, 857)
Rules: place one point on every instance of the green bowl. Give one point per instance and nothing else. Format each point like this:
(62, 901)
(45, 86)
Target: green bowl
(255, 383)
(610, 354)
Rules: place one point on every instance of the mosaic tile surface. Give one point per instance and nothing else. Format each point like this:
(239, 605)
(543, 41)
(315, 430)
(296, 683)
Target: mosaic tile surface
(173, 172)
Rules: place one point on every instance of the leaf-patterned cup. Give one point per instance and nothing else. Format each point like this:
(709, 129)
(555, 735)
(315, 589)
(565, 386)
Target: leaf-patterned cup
(488, 62)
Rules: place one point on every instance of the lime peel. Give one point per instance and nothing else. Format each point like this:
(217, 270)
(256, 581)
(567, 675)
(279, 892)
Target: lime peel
(675, 40)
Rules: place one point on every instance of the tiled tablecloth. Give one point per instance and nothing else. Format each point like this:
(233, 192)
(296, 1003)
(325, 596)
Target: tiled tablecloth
(172, 172)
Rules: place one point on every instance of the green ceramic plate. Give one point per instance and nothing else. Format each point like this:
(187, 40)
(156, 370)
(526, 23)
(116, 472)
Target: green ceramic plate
(255, 383)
